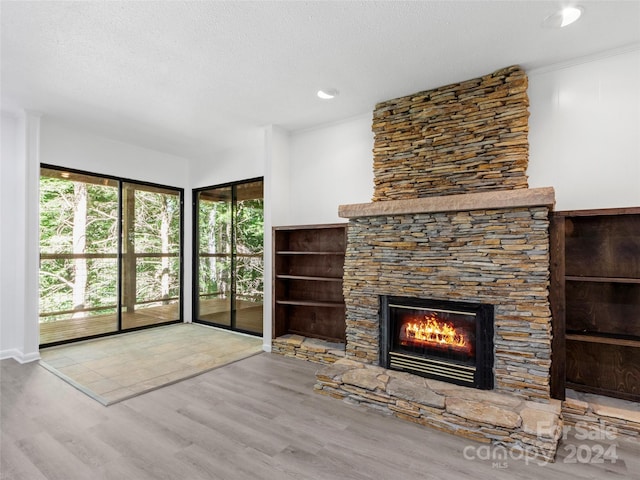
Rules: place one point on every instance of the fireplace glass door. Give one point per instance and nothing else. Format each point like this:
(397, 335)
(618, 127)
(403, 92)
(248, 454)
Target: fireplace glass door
(446, 334)
(450, 341)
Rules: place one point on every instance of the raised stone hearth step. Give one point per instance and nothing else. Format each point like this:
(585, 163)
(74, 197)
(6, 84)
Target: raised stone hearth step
(533, 428)
(602, 414)
(311, 349)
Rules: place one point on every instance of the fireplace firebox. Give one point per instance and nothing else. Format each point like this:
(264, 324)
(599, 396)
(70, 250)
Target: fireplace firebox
(449, 341)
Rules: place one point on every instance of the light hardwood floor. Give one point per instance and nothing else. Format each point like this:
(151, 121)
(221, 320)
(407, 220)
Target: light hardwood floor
(256, 419)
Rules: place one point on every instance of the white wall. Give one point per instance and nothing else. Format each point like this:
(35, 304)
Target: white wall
(19, 236)
(278, 177)
(584, 132)
(232, 165)
(69, 147)
(330, 166)
(11, 236)
(277, 212)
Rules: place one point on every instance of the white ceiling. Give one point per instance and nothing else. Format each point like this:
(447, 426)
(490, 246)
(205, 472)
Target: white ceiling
(191, 78)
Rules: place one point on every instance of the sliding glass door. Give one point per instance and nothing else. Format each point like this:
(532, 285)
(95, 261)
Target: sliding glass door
(229, 256)
(79, 239)
(110, 255)
(150, 255)
(214, 213)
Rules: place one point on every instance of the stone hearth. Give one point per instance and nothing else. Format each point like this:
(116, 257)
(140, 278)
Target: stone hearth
(532, 428)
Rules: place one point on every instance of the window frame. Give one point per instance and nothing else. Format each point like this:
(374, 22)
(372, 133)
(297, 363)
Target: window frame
(120, 181)
(196, 255)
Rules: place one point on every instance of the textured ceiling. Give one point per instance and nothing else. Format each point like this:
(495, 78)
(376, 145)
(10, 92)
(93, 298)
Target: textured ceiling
(191, 78)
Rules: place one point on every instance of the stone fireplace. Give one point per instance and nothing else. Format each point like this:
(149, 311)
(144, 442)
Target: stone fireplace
(452, 220)
(495, 252)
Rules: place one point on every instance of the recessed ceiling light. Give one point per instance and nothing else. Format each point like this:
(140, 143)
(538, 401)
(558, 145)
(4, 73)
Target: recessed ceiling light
(327, 93)
(563, 17)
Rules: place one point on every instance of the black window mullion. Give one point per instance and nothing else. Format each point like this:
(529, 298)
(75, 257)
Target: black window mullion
(120, 232)
(233, 255)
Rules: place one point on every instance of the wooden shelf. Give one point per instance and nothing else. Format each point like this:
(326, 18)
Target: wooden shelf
(310, 278)
(601, 391)
(573, 278)
(308, 268)
(595, 300)
(579, 337)
(309, 253)
(306, 334)
(305, 303)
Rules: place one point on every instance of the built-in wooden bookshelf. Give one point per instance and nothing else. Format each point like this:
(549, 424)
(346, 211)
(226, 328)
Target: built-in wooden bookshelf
(308, 266)
(595, 294)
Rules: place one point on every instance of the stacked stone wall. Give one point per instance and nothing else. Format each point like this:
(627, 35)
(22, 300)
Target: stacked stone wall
(465, 137)
(498, 257)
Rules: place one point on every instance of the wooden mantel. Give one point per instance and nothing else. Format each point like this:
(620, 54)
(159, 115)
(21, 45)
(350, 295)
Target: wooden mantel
(525, 197)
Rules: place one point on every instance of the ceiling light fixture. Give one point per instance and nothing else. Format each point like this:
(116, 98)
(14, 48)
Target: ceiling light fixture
(563, 17)
(327, 93)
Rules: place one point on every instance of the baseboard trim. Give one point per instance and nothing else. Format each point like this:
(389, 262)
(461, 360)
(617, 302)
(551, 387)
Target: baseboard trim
(18, 356)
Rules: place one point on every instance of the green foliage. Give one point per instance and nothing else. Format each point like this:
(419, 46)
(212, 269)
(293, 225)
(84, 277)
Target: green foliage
(56, 217)
(154, 242)
(215, 222)
(156, 230)
(151, 211)
(250, 226)
(58, 275)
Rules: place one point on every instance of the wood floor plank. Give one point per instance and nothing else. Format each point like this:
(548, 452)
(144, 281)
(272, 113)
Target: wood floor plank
(255, 419)
(224, 464)
(53, 460)
(15, 464)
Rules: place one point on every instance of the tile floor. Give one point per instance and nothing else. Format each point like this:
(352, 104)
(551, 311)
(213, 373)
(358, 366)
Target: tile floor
(115, 368)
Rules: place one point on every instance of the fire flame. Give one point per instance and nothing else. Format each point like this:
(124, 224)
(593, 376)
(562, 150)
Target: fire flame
(432, 331)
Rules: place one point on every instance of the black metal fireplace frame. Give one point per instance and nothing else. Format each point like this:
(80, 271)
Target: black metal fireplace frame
(479, 376)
